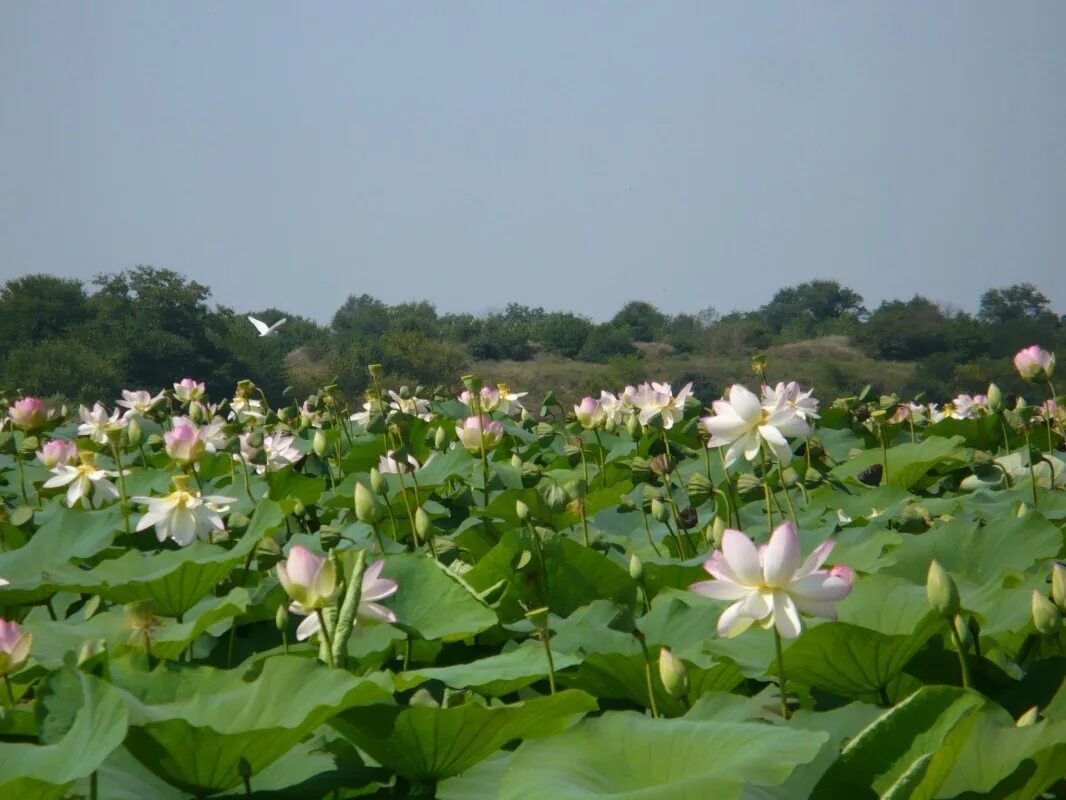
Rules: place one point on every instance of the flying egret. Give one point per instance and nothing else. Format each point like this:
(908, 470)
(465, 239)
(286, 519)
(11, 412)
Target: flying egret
(263, 328)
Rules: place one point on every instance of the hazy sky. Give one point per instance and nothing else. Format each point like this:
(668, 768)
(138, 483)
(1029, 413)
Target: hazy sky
(572, 155)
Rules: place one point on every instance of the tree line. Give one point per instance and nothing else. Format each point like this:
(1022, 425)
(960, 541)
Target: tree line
(147, 327)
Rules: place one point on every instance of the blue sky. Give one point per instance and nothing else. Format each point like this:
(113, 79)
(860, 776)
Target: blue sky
(570, 155)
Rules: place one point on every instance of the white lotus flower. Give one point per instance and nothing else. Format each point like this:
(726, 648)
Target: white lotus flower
(415, 406)
(792, 396)
(658, 398)
(769, 584)
(140, 401)
(97, 423)
(278, 450)
(743, 425)
(245, 408)
(182, 515)
(86, 483)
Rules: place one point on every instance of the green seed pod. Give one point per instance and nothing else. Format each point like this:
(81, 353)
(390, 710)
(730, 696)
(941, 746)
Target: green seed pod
(673, 674)
(1046, 615)
(366, 507)
(746, 482)
(941, 590)
(699, 488)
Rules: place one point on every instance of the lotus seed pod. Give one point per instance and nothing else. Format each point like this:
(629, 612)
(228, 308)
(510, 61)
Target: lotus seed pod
(941, 590)
(1058, 585)
(636, 567)
(376, 370)
(673, 674)
(659, 510)
(440, 438)
(377, 481)
(366, 509)
(521, 510)
(319, 444)
(747, 482)
(1046, 615)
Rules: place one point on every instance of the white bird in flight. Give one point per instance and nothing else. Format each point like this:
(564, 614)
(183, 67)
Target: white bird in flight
(263, 328)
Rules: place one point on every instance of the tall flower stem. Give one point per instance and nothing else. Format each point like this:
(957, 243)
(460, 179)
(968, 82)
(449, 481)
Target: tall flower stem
(647, 530)
(122, 487)
(545, 638)
(781, 678)
(10, 694)
(766, 492)
(599, 458)
(325, 637)
(964, 665)
(734, 506)
(648, 684)
(1032, 467)
(788, 497)
(22, 476)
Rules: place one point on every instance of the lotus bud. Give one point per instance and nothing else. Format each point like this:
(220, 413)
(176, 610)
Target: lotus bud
(659, 510)
(440, 438)
(366, 509)
(962, 630)
(521, 511)
(636, 567)
(941, 590)
(185, 442)
(717, 532)
(1058, 585)
(1028, 718)
(673, 674)
(633, 425)
(995, 397)
(1021, 510)
(423, 698)
(281, 617)
(516, 461)
(423, 524)
(15, 645)
(1035, 364)
(28, 413)
(319, 444)
(310, 580)
(134, 431)
(1046, 615)
(377, 481)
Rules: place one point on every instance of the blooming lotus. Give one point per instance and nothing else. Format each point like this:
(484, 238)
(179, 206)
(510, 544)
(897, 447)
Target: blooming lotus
(388, 464)
(28, 413)
(658, 399)
(187, 390)
(57, 451)
(182, 515)
(278, 452)
(184, 441)
(15, 645)
(744, 425)
(487, 400)
(86, 483)
(477, 433)
(244, 409)
(97, 424)
(791, 395)
(415, 406)
(613, 409)
(510, 403)
(770, 585)
(310, 417)
(1035, 364)
(589, 412)
(140, 401)
(966, 406)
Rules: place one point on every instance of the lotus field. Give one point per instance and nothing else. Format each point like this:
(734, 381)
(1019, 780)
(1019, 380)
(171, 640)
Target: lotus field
(482, 595)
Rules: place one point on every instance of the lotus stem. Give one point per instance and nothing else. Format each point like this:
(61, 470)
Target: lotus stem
(963, 663)
(347, 618)
(781, 677)
(324, 630)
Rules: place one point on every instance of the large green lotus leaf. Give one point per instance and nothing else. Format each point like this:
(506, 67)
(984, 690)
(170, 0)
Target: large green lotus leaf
(576, 576)
(997, 749)
(172, 580)
(64, 534)
(906, 752)
(457, 462)
(194, 726)
(288, 485)
(52, 640)
(96, 725)
(480, 782)
(852, 661)
(434, 602)
(422, 743)
(884, 603)
(494, 675)
(627, 756)
(909, 463)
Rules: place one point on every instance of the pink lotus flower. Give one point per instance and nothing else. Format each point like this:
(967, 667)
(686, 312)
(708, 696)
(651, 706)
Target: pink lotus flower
(1035, 364)
(57, 451)
(184, 441)
(477, 432)
(589, 412)
(15, 645)
(28, 413)
(374, 588)
(310, 580)
(769, 584)
(187, 390)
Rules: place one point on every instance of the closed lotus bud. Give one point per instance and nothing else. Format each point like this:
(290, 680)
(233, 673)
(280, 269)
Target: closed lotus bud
(319, 444)
(1046, 615)
(516, 461)
(521, 510)
(15, 645)
(366, 509)
(962, 629)
(281, 617)
(941, 590)
(659, 510)
(1058, 585)
(134, 431)
(310, 580)
(440, 438)
(995, 397)
(1021, 510)
(633, 425)
(673, 674)
(636, 567)
(1028, 718)
(718, 531)
(423, 523)
(377, 481)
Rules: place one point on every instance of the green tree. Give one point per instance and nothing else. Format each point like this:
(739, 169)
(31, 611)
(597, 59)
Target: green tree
(641, 322)
(905, 330)
(605, 342)
(564, 334)
(807, 308)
